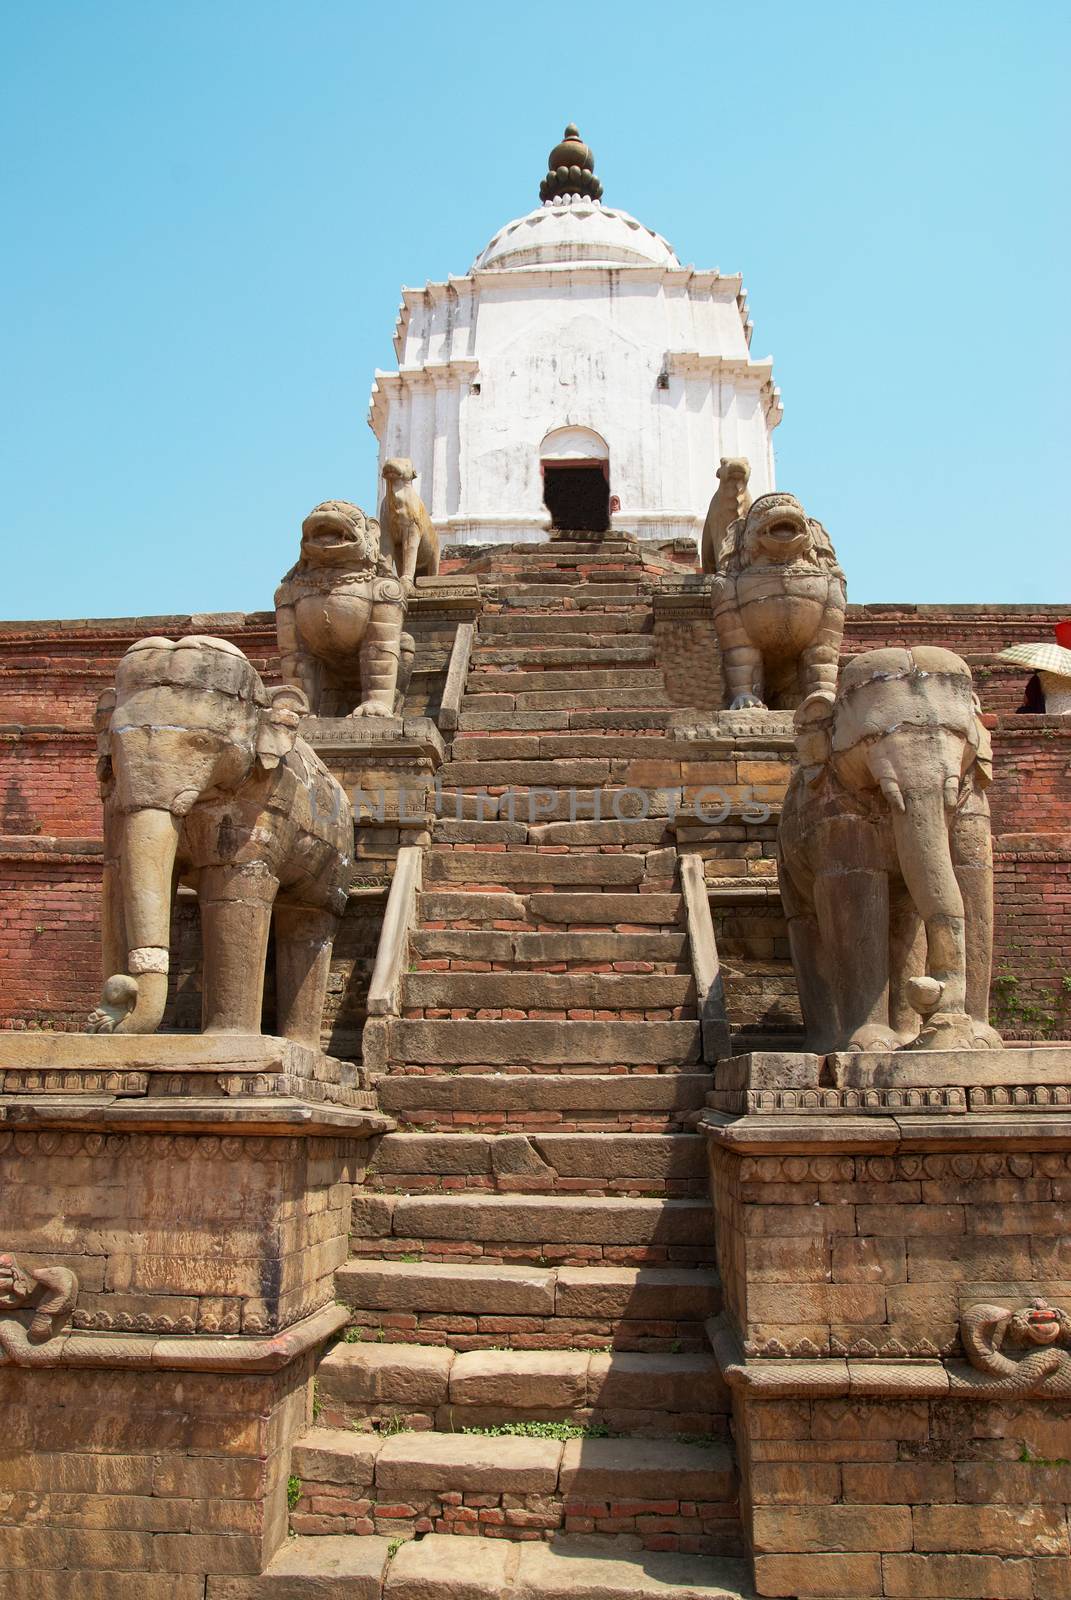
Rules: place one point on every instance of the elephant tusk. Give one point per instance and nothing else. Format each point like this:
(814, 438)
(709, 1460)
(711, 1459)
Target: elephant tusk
(891, 790)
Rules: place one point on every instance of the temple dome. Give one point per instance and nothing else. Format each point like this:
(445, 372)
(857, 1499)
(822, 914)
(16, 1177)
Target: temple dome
(571, 226)
(574, 230)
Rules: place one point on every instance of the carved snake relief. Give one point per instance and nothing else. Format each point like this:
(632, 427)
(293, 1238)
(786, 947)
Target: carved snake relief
(18, 1287)
(1042, 1371)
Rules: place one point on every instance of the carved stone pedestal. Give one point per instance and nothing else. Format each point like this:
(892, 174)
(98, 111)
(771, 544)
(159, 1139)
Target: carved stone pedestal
(174, 1208)
(387, 766)
(902, 1403)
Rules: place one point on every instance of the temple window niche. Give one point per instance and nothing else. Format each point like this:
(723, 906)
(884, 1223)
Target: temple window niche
(575, 467)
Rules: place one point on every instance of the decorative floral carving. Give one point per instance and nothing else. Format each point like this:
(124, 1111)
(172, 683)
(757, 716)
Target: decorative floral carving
(1042, 1334)
(52, 1292)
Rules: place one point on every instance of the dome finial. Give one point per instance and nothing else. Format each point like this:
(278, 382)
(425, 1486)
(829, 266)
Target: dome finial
(571, 169)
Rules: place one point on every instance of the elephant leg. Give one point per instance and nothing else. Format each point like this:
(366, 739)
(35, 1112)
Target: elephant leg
(380, 655)
(805, 942)
(236, 906)
(853, 915)
(972, 861)
(907, 960)
(303, 940)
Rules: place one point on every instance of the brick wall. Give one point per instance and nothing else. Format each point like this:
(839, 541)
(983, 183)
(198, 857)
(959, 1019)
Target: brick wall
(51, 674)
(907, 1498)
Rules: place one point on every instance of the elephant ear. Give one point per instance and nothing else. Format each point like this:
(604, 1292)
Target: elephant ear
(102, 725)
(983, 745)
(814, 734)
(279, 721)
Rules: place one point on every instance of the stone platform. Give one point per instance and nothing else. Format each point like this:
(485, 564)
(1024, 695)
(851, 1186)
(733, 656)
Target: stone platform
(174, 1210)
(896, 1332)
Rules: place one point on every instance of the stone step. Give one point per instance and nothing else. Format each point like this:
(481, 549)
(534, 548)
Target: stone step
(653, 1396)
(557, 745)
(567, 1229)
(438, 1567)
(626, 912)
(548, 624)
(543, 1045)
(528, 864)
(610, 591)
(473, 1306)
(335, 1567)
(414, 1482)
(576, 1569)
(540, 648)
(567, 700)
(574, 950)
(616, 1163)
(565, 653)
(562, 1101)
(535, 867)
(547, 991)
(558, 720)
(503, 680)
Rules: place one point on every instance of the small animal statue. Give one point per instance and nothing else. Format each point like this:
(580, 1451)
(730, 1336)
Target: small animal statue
(339, 615)
(731, 501)
(779, 603)
(405, 521)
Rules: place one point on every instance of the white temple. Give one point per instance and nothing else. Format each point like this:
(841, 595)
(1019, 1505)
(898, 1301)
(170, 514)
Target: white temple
(577, 376)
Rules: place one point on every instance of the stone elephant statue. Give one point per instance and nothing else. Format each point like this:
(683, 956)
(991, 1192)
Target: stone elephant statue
(886, 857)
(205, 781)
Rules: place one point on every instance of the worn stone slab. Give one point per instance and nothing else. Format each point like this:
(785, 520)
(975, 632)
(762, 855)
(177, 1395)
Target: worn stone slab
(567, 1091)
(443, 1567)
(456, 906)
(332, 1567)
(469, 1463)
(765, 1069)
(654, 1156)
(951, 1068)
(438, 1153)
(640, 1469)
(642, 1293)
(590, 909)
(471, 1290)
(544, 774)
(336, 1455)
(527, 866)
(623, 1380)
(600, 946)
(527, 1381)
(548, 990)
(589, 1219)
(544, 1043)
(368, 1373)
(576, 1570)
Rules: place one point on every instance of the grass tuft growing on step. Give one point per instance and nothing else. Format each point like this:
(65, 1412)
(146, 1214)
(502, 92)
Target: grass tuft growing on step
(293, 1491)
(545, 1430)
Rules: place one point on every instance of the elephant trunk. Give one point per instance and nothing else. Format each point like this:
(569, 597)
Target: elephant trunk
(133, 1002)
(922, 845)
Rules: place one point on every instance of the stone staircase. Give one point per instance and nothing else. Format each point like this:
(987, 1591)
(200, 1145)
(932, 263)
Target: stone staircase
(532, 1255)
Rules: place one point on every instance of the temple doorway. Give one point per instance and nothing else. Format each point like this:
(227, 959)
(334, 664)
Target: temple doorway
(575, 465)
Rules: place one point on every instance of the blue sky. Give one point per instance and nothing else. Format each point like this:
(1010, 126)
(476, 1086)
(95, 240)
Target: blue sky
(210, 210)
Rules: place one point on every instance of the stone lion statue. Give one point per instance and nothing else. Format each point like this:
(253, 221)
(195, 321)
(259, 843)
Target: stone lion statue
(338, 615)
(404, 516)
(779, 601)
